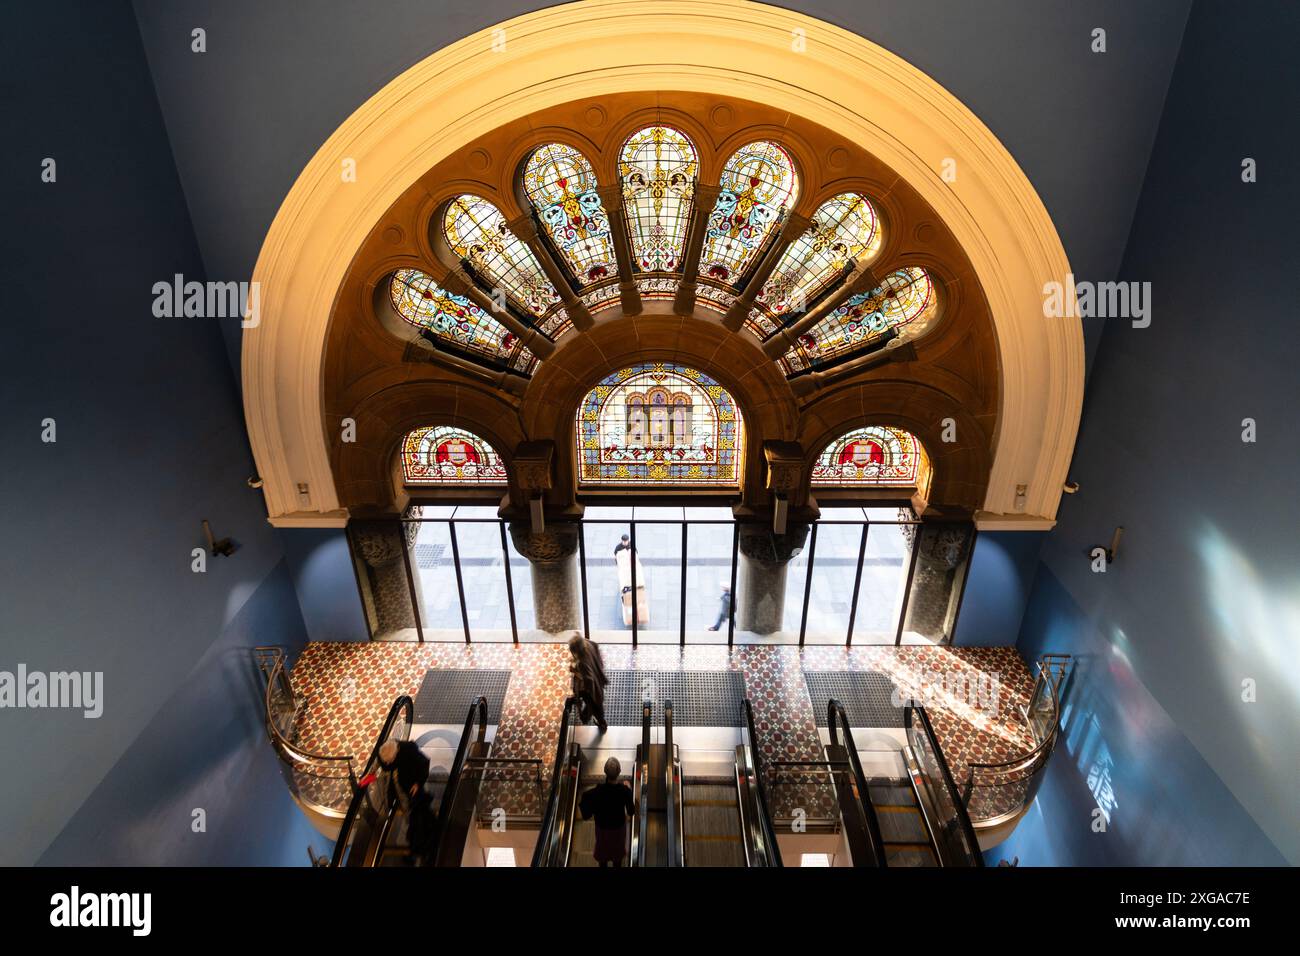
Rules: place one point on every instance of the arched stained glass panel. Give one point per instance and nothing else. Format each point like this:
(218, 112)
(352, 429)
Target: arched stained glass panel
(875, 455)
(844, 228)
(905, 298)
(426, 305)
(658, 423)
(659, 169)
(476, 231)
(561, 185)
(443, 455)
(758, 185)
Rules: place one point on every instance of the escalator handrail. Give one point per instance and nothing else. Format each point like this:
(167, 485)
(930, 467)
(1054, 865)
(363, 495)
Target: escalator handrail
(637, 855)
(760, 783)
(963, 818)
(402, 705)
(478, 708)
(547, 824)
(836, 714)
(672, 795)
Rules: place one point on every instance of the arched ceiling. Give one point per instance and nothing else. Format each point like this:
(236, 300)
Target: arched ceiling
(596, 49)
(375, 360)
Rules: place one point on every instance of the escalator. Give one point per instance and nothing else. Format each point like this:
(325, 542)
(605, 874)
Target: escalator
(696, 821)
(368, 823)
(376, 829)
(905, 815)
(556, 841)
(724, 820)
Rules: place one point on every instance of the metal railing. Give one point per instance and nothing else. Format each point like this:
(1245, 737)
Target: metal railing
(995, 793)
(380, 800)
(454, 548)
(763, 833)
(322, 783)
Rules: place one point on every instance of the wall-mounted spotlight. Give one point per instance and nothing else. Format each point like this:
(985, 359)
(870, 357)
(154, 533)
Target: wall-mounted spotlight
(1070, 487)
(1112, 550)
(254, 481)
(225, 547)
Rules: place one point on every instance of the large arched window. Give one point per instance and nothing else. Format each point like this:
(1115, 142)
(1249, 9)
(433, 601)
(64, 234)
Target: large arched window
(561, 185)
(758, 186)
(659, 169)
(877, 455)
(443, 455)
(476, 231)
(659, 423)
(905, 300)
(844, 229)
(456, 320)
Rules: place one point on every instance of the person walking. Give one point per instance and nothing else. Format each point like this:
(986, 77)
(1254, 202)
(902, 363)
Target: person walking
(589, 680)
(611, 804)
(624, 544)
(724, 608)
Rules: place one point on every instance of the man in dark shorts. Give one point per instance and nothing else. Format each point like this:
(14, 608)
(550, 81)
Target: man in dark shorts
(611, 804)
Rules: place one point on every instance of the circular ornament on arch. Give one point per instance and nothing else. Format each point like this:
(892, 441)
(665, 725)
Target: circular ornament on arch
(480, 159)
(722, 115)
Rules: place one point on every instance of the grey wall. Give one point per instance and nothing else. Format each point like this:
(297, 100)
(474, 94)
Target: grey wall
(99, 526)
(279, 78)
(1205, 592)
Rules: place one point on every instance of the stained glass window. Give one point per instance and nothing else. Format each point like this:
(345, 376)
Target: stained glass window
(476, 231)
(426, 305)
(844, 228)
(443, 455)
(659, 169)
(659, 423)
(561, 185)
(875, 455)
(758, 185)
(905, 298)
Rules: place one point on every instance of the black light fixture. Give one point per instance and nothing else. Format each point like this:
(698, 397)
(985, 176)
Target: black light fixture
(225, 547)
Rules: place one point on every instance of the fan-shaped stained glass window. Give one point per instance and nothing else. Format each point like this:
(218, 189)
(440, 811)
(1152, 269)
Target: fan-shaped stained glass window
(905, 299)
(476, 231)
(426, 305)
(844, 228)
(659, 169)
(659, 424)
(875, 455)
(443, 455)
(758, 185)
(561, 185)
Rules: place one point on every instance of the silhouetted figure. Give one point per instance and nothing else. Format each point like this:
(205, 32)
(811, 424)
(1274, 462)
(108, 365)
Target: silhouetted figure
(611, 804)
(624, 544)
(589, 680)
(410, 773)
(724, 608)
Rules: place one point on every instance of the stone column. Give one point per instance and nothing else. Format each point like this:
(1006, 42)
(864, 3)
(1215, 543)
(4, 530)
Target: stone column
(942, 550)
(381, 545)
(764, 559)
(553, 562)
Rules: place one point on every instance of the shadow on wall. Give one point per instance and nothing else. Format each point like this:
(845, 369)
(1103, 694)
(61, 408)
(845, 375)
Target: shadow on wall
(206, 750)
(1125, 786)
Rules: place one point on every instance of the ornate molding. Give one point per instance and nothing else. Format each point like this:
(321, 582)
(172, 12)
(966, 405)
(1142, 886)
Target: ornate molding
(595, 47)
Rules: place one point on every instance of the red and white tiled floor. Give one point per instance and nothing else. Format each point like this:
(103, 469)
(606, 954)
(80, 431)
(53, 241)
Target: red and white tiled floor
(974, 695)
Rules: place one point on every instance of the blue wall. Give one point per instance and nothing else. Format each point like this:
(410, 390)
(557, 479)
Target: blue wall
(99, 526)
(205, 749)
(1001, 575)
(1206, 589)
(326, 583)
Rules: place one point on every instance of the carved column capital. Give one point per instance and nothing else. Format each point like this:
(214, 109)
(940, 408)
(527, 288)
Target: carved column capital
(558, 542)
(759, 543)
(786, 470)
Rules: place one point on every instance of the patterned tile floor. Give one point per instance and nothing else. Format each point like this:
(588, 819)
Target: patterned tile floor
(974, 695)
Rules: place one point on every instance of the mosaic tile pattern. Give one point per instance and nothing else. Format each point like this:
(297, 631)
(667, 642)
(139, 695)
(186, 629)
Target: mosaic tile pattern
(974, 695)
